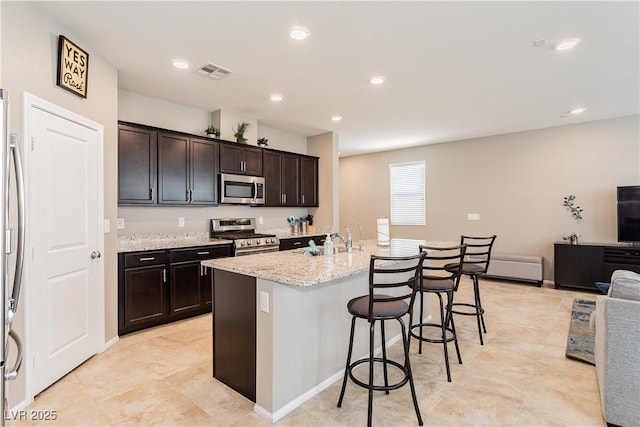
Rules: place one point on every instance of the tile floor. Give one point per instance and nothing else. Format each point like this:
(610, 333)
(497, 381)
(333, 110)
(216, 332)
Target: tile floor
(520, 377)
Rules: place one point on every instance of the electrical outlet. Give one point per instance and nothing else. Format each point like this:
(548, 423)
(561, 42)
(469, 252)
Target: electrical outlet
(120, 223)
(180, 222)
(264, 301)
(260, 220)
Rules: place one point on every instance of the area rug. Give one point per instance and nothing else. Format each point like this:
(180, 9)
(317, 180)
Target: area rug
(580, 341)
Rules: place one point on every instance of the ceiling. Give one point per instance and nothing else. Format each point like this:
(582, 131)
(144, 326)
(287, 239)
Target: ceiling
(454, 70)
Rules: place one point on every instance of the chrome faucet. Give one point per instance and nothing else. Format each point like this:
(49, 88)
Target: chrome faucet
(348, 242)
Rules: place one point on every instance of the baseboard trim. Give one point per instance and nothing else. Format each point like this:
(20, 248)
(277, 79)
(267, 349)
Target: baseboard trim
(274, 417)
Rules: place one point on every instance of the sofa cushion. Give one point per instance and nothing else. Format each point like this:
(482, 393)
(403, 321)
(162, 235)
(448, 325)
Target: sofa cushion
(625, 285)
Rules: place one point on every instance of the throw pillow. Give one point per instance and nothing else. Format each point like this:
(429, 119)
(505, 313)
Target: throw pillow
(625, 285)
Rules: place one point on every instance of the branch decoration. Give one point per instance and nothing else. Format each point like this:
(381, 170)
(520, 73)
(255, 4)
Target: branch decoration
(576, 211)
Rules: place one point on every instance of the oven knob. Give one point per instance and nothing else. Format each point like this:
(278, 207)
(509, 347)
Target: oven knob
(248, 242)
(241, 243)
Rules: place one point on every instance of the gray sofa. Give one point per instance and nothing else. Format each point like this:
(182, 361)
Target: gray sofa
(617, 349)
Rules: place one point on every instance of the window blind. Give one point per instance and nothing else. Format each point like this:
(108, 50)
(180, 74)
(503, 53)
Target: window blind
(408, 200)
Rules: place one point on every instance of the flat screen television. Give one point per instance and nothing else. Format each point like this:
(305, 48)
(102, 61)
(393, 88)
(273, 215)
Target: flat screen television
(629, 214)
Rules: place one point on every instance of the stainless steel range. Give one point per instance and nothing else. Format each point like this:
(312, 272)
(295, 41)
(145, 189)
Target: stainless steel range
(243, 233)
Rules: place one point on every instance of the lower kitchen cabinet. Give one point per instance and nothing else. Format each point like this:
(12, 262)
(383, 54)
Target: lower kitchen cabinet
(157, 287)
(287, 243)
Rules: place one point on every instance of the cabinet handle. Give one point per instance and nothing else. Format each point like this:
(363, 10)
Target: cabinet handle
(297, 243)
(285, 198)
(191, 195)
(150, 258)
(151, 193)
(203, 253)
(164, 275)
(303, 199)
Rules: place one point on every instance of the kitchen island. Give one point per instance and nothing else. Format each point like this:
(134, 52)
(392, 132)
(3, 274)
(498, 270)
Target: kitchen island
(280, 322)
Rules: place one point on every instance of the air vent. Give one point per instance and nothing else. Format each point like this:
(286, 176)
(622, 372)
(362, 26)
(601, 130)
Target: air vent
(214, 71)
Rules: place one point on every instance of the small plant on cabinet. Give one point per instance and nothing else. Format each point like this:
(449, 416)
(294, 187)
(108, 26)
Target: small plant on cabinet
(262, 142)
(239, 131)
(212, 131)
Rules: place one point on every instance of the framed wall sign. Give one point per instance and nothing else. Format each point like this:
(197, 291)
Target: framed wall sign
(73, 67)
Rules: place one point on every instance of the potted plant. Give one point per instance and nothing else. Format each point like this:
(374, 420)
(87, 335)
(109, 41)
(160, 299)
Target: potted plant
(212, 131)
(262, 142)
(239, 131)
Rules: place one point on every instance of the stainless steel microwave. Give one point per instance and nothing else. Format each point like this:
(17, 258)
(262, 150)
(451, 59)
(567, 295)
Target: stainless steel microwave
(241, 189)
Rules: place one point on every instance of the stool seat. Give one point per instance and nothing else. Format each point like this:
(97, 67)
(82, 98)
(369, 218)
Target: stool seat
(381, 309)
(467, 268)
(437, 285)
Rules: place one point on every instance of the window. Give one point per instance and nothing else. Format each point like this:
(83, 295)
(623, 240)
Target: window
(408, 202)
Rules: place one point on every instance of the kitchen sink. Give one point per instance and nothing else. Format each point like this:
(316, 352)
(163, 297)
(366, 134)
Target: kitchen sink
(306, 250)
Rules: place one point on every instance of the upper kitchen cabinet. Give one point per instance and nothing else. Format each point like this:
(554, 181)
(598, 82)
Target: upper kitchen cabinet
(204, 172)
(137, 151)
(187, 170)
(308, 181)
(282, 178)
(244, 160)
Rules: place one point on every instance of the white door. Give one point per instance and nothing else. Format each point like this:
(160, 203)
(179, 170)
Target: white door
(65, 217)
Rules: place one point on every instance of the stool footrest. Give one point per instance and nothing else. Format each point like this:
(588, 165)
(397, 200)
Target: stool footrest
(450, 333)
(466, 313)
(375, 387)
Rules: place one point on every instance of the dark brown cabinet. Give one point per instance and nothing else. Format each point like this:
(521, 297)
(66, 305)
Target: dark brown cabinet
(282, 179)
(581, 266)
(187, 170)
(157, 287)
(238, 159)
(301, 242)
(137, 150)
(142, 290)
(308, 181)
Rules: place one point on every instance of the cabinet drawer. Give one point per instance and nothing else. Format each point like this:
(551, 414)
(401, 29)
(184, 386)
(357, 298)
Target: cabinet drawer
(199, 253)
(142, 259)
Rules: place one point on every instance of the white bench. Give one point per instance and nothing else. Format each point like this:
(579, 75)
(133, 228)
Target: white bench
(527, 268)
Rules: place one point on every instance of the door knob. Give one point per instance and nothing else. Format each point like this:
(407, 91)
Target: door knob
(95, 254)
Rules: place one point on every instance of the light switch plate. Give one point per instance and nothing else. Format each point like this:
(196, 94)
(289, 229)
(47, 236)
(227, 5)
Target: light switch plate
(181, 222)
(473, 217)
(107, 226)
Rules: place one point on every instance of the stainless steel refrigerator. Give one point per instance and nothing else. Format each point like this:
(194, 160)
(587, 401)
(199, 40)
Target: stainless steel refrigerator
(11, 240)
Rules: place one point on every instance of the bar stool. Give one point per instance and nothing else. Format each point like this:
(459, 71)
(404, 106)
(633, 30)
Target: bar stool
(477, 257)
(390, 275)
(438, 280)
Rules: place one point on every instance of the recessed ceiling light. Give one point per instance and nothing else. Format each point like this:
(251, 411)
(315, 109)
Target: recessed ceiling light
(336, 118)
(566, 43)
(299, 33)
(181, 64)
(578, 110)
(377, 80)
(276, 97)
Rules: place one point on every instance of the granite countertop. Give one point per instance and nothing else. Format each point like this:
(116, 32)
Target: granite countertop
(297, 269)
(158, 241)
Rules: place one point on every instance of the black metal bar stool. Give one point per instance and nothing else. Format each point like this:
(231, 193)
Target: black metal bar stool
(438, 280)
(385, 275)
(477, 257)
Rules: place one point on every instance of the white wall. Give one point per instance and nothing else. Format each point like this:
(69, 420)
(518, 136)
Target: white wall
(154, 112)
(516, 182)
(29, 61)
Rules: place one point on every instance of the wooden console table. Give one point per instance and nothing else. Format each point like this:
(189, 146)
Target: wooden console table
(582, 265)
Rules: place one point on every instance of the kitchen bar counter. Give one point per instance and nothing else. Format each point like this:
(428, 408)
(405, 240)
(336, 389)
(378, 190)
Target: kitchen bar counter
(281, 325)
(297, 269)
(159, 241)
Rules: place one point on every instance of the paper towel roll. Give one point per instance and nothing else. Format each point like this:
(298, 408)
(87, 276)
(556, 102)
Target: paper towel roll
(383, 231)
